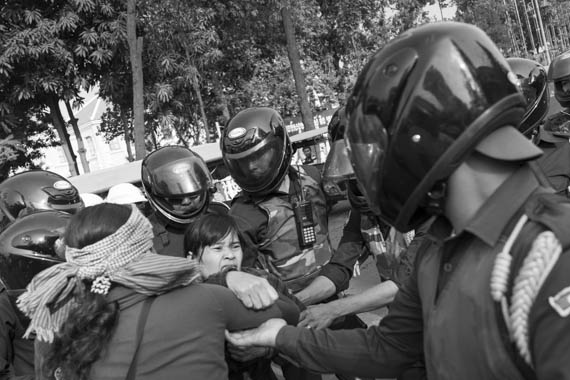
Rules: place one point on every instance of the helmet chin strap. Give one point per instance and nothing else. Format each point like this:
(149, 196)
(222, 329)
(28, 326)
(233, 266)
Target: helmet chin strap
(436, 197)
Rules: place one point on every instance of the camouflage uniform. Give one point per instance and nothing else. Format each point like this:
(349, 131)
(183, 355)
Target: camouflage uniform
(269, 224)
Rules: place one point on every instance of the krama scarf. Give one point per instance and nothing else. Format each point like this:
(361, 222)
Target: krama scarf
(126, 257)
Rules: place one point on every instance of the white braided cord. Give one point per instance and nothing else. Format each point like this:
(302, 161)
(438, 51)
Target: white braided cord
(502, 267)
(544, 254)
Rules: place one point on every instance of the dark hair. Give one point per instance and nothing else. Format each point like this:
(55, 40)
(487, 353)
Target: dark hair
(83, 337)
(95, 223)
(208, 230)
(91, 323)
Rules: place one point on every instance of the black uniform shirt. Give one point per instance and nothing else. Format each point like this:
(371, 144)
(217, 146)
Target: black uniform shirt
(395, 344)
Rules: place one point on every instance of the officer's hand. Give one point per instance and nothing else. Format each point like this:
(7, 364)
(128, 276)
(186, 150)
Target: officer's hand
(318, 316)
(245, 354)
(264, 335)
(254, 292)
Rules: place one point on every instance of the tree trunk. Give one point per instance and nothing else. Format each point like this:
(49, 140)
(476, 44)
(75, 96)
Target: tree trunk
(222, 98)
(135, 52)
(295, 61)
(59, 124)
(126, 134)
(80, 145)
(196, 87)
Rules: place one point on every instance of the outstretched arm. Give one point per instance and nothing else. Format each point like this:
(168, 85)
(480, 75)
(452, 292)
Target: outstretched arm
(322, 315)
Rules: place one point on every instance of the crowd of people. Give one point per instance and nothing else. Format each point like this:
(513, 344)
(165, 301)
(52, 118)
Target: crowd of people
(458, 184)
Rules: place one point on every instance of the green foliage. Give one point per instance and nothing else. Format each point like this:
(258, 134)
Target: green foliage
(228, 54)
(490, 16)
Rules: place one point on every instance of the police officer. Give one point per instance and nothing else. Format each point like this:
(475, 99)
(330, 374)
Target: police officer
(35, 206)
(559, 74)
(179, 187)
(432, 131)
(555, 162)
(281, 210)
(27, 246)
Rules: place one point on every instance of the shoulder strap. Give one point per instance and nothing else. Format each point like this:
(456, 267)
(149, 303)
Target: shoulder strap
(548, 222)
(141, 323)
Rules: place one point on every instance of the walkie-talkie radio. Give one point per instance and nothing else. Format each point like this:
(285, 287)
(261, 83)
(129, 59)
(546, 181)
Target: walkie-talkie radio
(305, 224)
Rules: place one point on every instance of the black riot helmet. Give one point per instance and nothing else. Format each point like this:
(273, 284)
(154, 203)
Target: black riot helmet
(419, 107)
(559, 73)
(34, 190)
(31, 244)
(177, 184)
(533, 83)
(256, 150)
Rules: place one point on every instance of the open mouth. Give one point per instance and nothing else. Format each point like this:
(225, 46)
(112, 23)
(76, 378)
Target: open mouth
(228, 267)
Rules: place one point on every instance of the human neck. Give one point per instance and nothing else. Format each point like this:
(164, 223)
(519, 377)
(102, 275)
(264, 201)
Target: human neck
(471, 184)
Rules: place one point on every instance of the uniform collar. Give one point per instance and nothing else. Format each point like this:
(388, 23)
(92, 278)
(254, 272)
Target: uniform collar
(493, 217)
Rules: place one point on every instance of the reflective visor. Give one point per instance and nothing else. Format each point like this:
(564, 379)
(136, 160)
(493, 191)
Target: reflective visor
(256, 167)
(337, 166)
(533, 86)
(366, 144)
(563, 88)
(184, 206)
(176, 179)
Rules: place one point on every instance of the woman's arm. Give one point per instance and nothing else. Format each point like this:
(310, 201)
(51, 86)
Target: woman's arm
(238, 317)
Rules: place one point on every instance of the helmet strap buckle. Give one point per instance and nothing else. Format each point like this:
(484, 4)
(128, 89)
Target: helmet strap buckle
(436, 198)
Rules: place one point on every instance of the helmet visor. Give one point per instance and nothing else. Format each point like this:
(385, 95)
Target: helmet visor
(366, 145)
(256, 168)
(562, 88)
(181, 177)
(533, 86)
(337, 166)
(184, 206)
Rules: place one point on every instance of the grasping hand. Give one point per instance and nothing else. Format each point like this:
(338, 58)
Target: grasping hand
(264, 335)
(254, 292)
(318, 316)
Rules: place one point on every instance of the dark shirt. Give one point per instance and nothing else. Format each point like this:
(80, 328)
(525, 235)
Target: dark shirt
(555, 162)
(16, 352)
(397, 342)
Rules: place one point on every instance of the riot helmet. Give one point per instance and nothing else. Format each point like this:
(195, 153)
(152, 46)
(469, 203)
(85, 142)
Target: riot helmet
(177, 184)
(256, 150)
(34, 190)
(31, 244)
(559, 73)
(419, 107)
(533, 83)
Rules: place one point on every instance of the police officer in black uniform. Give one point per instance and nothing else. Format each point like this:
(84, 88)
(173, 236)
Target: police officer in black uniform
(179, 188)
(432, 132)
(559, 74)
(555, 162)
(35, 208)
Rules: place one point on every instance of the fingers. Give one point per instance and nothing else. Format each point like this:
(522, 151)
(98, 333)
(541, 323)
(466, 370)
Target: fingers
(254, 292)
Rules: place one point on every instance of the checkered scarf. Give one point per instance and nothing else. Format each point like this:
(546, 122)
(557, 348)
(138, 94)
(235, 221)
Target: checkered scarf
(126, 257)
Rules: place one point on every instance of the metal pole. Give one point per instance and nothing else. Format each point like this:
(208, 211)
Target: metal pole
(523, 40)
(510, 29)
(528, 27)
(541, 27)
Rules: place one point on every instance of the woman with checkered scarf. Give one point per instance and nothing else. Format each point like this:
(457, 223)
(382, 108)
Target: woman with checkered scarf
(117, 310)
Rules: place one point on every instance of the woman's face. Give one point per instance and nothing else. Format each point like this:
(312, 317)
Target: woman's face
(225, 253)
